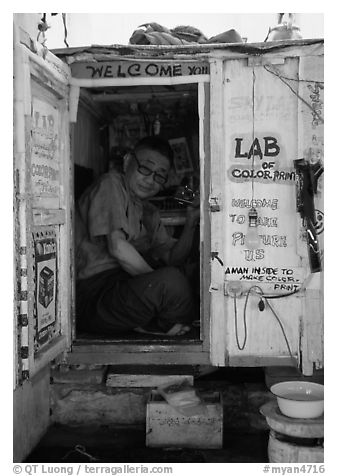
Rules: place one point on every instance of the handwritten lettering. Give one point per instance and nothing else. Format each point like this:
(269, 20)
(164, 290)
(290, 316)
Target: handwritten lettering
(197, 70)
(265, 102)
(255, 203)
(252, 255)
(45, 171)
(278, 241)
(316, 103)
(241, 174)
(286, 287)
(282, 279)
(236, 270)
(261, 221)
(271, 148)
(266, 107)
(124, 69)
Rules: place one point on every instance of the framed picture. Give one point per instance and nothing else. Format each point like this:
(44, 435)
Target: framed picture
(182, 159)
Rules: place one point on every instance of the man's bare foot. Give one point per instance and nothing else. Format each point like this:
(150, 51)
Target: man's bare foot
(176, 330)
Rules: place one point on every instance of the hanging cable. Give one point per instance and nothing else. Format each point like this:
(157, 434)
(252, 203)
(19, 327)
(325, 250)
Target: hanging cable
(297, 80)
(241, 347)
(42, 27)
(252, 238)
(261, 294)
(277, 74)
(282, 329)
(82, 451)
(253, 141)
(65, 29)
(284, 295)
(279, 296)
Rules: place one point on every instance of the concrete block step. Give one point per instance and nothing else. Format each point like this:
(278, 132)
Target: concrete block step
(79, 374)
(77, 404)
(73, 404)
(126, 376)
(147, 376)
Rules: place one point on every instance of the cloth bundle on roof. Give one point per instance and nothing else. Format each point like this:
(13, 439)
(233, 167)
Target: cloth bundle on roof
(155, 34)
(189, 34)
(230, 36)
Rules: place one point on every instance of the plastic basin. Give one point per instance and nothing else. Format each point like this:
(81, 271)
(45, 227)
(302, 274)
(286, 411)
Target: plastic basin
(299, 399)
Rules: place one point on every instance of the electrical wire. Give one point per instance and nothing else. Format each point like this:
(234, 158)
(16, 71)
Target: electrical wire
(81, 450)
(276, 73)
(253, 138)
(261, 294)
(282, 329)
(297, 80)
(279, 296)
(65, 29)
(241, 347)
(42, 27)
(276, 296)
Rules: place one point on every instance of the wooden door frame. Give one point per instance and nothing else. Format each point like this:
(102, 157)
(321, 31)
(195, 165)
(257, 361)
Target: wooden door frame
(52, 75)
(117, 350)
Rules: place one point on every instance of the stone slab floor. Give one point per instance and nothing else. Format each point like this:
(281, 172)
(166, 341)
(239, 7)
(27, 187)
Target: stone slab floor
(64, 444)
(245, 439)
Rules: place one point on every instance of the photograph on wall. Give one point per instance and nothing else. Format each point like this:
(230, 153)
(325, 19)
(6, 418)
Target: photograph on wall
(45, 288)
(181, 158)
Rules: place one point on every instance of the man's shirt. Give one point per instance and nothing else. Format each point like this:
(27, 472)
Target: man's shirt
(109, 205)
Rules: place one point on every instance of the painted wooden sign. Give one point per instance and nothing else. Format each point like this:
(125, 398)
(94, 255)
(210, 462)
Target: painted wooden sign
(261, 122)
(45, 173)
(45, 246)
(134, 69)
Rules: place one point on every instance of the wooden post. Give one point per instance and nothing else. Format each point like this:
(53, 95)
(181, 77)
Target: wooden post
(217, 318)
(310, 147)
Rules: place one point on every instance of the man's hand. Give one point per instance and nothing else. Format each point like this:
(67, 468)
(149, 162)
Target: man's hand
(193, 213)
(182, 248)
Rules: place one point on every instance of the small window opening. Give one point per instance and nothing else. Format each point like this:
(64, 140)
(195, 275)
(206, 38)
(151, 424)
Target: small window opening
(110, 123)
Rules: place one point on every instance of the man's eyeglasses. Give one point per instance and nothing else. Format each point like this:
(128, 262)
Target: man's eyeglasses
(142, 169)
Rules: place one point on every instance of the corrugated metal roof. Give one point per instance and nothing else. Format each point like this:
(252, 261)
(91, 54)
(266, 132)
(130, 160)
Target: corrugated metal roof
(108, 52)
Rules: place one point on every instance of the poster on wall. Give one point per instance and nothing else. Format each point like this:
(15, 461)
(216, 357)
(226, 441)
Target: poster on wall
(45, 287)
(45, 173)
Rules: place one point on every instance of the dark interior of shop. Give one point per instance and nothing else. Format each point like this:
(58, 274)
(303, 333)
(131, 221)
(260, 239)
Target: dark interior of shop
(110, 122)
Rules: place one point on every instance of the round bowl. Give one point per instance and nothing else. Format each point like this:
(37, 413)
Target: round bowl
(299, 399)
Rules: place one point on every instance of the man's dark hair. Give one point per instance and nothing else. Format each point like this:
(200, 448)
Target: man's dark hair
(156, 144)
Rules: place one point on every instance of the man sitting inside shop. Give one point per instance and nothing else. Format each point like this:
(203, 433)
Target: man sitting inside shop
(127, 264)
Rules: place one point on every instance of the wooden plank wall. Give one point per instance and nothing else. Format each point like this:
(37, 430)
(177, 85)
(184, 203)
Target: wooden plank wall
(261, 110)
(260, 113)
(87, 150)
(266, 126)
(311, 148)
